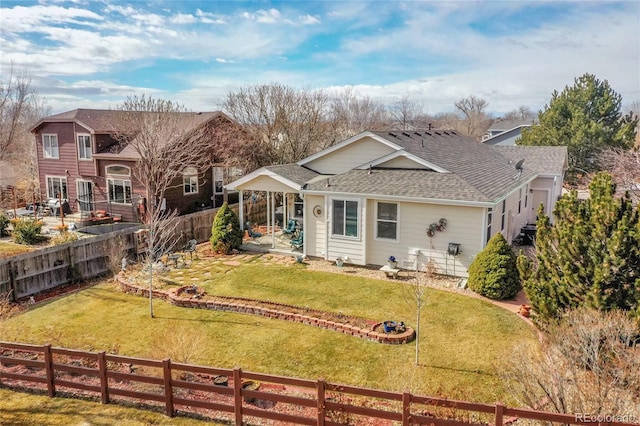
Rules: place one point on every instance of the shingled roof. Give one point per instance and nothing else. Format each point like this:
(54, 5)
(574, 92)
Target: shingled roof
(107, 121)
(476, 172)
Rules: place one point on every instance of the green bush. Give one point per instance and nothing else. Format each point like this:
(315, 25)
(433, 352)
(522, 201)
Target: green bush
(4, 222)
(494, 272)
(226, 234)
(26, 231)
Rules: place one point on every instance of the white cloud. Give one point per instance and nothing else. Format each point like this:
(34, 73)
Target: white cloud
(309, 20)
(182, 18)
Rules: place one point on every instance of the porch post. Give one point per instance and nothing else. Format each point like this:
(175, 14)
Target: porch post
(285, 218)
(268, 210)
(241, 208)
(273, 220)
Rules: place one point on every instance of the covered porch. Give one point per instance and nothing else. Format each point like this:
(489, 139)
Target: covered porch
(281, 186)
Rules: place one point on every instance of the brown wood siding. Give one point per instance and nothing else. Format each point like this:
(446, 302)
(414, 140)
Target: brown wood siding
(67, 165)
(190, 203)
(128, 211)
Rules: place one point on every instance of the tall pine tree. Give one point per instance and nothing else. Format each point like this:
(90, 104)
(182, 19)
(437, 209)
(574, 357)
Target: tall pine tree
(590, 256)
(585, 117)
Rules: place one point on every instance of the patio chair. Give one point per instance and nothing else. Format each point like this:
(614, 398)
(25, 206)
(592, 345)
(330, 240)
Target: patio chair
(252, 234)
(190, 248)
(297, 242)
(291, 227)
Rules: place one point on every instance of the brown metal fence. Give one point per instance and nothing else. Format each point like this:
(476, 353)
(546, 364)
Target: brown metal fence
(238, 396)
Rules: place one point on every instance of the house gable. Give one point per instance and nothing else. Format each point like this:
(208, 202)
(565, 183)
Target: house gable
(402, 160)
(350, 154)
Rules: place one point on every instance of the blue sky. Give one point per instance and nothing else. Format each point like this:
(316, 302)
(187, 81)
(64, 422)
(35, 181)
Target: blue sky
(93, 54)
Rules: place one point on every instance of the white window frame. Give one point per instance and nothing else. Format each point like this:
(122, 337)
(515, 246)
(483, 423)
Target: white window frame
(526, 196)
(83, 182)
(61, 179)
(358, 219)
(190, 180)
(298, 205)
(503, 216)
(47, 139)
(84, 152)
(113, 177)
(489, 224)
(396, 222)
(520, 201)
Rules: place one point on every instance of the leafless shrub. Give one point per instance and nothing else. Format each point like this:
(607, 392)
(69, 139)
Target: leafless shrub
(179, 343)
(590, 363)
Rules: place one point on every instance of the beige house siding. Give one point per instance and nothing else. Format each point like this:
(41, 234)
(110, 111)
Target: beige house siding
(401, 163)
(350, 156)
(314, 227)
(415, 248)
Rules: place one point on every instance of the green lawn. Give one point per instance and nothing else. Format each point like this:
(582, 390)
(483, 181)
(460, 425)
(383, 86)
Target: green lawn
(462, 337)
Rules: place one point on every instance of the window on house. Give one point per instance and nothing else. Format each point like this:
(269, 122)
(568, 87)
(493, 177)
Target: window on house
(387, 221)
(50, 146)
(218, 180)
(190, 180)
(345, 218)
(526, 196)
(56, 187)
(84, 147)
(298, 206)
(520, 201)
(489, 221)
(504, 216)
(119, 184)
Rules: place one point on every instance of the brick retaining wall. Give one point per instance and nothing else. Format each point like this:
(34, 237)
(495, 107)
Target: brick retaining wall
(179, 297)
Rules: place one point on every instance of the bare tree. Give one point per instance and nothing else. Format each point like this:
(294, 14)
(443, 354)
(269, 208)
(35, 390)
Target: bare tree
(590, 363)
(292, 123)
(167, 139)
(405, 112)
(523, 112)
(415, 292)
(352, 114)
(624, 167)
(447, 121)
(474, 118)
(20, 108)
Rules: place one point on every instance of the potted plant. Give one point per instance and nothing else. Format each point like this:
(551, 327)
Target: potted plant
(392, 263)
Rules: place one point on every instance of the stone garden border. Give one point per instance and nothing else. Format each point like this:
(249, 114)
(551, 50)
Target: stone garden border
(180, 297)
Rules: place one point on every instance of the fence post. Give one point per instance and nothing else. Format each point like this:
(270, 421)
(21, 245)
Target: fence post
(499, 413)
(102, 372)
(406, 408)
(12, 281)
(321, 402)
(48, 367)
(237, 395)
(168, 389)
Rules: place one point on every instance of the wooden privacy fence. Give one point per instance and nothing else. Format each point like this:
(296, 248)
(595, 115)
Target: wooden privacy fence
(198, 225)
(239, 396)
(30, 273)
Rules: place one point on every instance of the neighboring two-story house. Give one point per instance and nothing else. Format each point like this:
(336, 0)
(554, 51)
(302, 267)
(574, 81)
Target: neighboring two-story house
(80, 160)
(506, 132)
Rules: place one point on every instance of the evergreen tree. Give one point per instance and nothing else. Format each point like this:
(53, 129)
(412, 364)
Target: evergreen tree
(586, 118)
(494, 273)
(590, 256)
(226, 234)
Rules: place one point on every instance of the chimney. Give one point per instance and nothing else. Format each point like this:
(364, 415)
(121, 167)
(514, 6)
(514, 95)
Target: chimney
(429, 126)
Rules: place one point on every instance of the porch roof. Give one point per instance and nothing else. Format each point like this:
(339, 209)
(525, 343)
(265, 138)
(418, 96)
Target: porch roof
(278, 178)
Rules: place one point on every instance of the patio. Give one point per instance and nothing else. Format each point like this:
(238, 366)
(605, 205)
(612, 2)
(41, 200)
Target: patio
(272, 240)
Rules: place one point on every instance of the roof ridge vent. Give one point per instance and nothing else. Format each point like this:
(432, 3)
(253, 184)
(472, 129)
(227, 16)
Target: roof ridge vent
(438, 133)
(406, 134)
(393, 134)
